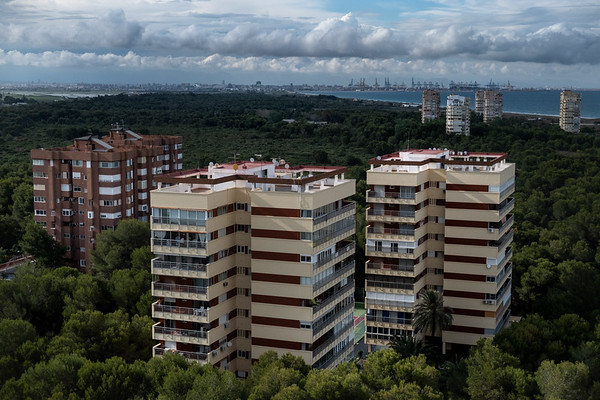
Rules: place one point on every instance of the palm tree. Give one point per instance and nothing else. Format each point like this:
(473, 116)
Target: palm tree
(406, 345)
(430, 313)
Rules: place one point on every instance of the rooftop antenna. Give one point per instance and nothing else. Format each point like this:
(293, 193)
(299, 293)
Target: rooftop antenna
(235, 155)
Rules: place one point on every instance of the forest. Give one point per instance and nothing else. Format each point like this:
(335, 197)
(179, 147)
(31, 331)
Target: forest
(68, 335)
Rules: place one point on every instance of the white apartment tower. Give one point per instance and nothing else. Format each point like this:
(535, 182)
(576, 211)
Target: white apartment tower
(570, 111)
(458, 115)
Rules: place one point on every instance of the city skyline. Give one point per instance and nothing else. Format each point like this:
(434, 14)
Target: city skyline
(541, 44)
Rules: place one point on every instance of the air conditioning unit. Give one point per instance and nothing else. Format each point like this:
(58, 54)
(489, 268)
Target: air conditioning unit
(489, 302)
(225, 284)
(226, 325)
(229, 344)
(214, 353)
(490, 229)
(223, 348)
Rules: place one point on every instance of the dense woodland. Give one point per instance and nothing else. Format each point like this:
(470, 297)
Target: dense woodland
(68, 335)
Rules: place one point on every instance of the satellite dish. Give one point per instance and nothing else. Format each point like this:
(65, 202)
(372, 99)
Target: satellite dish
(211, 164)
(379, 157)
(275, 162)
(251, 159)
(287, 166)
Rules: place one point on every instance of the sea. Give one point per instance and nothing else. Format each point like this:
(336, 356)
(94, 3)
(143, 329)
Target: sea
(537, 102)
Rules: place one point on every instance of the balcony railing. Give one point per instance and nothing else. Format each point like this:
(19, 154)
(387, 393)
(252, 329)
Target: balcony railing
(180, 266)
(172, 287)
(390, 231)
(391, 195)
(179, 221)
(392, 213)
(341, 293)
(390, 285)
(349, 247)
(509, 189)
(390, 267)
(348, 207)
(161, 308)
(335, 356)
(504, 272)
(332, 339)
(179, 243)
(322, 323)
(504, 240)
(399, 250)
(507, 206)
(161, 330)
(159, 351)
(390, 303)
(344, 229)
(389, 320)
(341, 271)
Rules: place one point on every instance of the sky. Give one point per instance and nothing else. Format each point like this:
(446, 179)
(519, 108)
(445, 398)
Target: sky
(533, 43)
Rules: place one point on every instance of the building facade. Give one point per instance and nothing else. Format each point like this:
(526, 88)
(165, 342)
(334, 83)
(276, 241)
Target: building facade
(430, 108)
(253, 257)
(83, 189)
(488, 103)
(458, 115)
(441, 220)
(570, 111)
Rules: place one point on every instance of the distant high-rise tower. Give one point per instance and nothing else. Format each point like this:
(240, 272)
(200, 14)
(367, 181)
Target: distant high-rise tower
(489, 104)
(458, 115)
(431, 105)
(570, 111)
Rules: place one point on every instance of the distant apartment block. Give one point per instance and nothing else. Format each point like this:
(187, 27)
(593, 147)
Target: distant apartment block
(458, 115)
(430, 108)
(83, 189)
(441, 220)
(489, 104)
(570, 111)
(251, 257)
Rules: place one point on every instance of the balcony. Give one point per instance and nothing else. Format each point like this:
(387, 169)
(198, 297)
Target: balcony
(179, 313)
(181, 243)
(376, 232)
(389, 320)
(335, 356)
(389, 269)
(390, 252)
(189, 292)
(390, 215)
(509, 205)
(393, 304)
(344, 231)
(322, 323)
(342, 334)
(372, 284)
(160, 351)
(178, 221)
(339, 272)
(172, 268)
(325, 218)
(179, 335)
(342, 251)
(390, 197)
(321, 305)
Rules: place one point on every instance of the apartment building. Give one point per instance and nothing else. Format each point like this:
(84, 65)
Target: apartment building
(488, 103)
(251, 257)
(89, 187)
(439, 219)
(430, 108)
(458, 115)
(570, 111)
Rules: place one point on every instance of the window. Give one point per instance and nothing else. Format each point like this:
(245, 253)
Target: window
(38, 162)
(110, 164)
(306, 213)
(90, 214)
(82, 263)
(65, 187)
(40, 212)
(77, 188)
(77, 163)
(67, 212)
(39, 174)
(82, 249)
(80, 200)
(305, 235)
(240, 206)
(39, 187)
(305, 258)
(76, 175)
(39, 199)
(67, 235)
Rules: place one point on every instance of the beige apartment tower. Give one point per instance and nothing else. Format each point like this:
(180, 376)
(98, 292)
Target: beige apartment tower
(570, 111)
(439, 219)
(488, 103)
(430, 108)
(458, 115)
(252, 257)
(89, 187)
